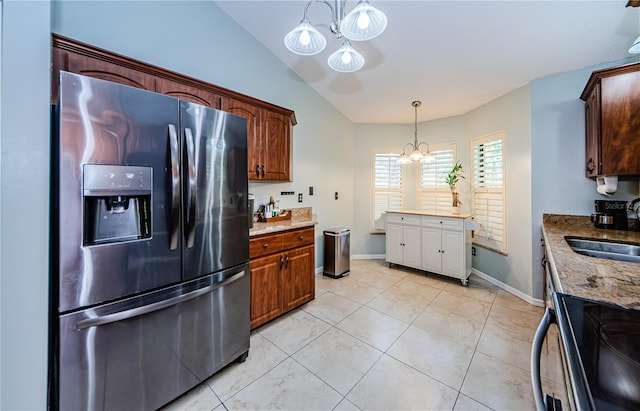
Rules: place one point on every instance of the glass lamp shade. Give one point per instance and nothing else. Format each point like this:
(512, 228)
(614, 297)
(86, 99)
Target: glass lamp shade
(635, 47)
(416, 155)
(346, 59)
(403, 159)
(364, 22)
(305, 40)
(427, 158)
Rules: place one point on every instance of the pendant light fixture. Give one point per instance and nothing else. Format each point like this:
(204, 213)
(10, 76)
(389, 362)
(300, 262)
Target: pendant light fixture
(364, 22)
(416, 155)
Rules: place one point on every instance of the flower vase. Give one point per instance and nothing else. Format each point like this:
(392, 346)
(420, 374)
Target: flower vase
(456, 203)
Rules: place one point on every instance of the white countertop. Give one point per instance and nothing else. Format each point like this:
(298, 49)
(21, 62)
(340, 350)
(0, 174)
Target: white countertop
(426, 213)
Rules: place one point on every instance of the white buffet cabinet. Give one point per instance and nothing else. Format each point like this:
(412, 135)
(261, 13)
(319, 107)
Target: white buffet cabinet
(438, 243)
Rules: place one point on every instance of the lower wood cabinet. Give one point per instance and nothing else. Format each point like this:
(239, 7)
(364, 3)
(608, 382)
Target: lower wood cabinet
(282, 273)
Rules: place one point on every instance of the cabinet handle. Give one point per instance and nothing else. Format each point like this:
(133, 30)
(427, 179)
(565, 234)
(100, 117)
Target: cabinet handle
(287, 261)
(593, 167)
(281, 262)
(301, 238)
(257, 170)
(265, 245)
(263, 170)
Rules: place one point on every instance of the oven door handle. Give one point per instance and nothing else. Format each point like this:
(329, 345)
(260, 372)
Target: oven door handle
(146, 309)
(548, 318)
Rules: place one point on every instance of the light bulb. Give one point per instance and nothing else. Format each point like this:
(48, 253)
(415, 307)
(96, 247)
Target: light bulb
(363, 20)
(305, 39)
(346, 57)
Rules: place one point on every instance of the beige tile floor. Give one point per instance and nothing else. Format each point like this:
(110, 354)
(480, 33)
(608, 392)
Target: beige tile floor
(386, 339)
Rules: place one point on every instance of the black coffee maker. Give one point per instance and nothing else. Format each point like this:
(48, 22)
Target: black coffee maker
(610, 214)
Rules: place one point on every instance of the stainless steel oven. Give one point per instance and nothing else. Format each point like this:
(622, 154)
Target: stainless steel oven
(600, 354)
(549, 397)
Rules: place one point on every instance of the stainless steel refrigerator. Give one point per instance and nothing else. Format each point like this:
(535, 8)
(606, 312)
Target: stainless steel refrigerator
(150, 246)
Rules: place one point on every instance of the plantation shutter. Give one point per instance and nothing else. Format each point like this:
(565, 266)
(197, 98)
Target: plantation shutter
(388, 178)
(434, 194)
(488, 185)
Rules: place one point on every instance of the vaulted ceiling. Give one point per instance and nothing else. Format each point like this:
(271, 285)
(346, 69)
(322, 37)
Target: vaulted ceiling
(452, 55)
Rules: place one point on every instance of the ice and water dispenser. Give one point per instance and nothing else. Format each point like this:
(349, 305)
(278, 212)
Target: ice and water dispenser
(117, 203)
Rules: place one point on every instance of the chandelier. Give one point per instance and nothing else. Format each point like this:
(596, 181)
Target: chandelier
(364, 22)
(416, 154)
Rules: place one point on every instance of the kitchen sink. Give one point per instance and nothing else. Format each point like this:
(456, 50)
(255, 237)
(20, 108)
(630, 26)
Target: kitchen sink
(612, 250)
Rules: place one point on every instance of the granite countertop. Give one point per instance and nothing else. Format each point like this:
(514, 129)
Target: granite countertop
(425, 213)
(616, 282)
(300, 218)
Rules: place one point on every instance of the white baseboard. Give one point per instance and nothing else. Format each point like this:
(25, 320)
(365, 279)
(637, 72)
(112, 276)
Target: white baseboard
(527, 298)
(368, 257)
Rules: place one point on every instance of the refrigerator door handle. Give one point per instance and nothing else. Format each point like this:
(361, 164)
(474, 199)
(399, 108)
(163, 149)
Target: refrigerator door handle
(175, 188)
(191, 209)
(146, 309)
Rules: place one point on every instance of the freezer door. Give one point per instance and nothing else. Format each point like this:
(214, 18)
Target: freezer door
(141, 353)
(116, 192)
(215, 187)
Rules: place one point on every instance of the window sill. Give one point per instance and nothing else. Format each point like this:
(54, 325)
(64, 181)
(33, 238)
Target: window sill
(486, 247)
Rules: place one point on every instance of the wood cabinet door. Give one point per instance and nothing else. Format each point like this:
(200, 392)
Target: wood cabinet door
(298, 279)
(266, 298)
(104, 70)
(256, 167)
(453, 254)
(432, 249)
(620, 105)
(592, 132)
(276, 146)
(187, 93)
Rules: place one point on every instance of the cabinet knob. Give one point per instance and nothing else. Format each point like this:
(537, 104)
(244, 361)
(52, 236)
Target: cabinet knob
(301, 238)
(257, 170)
(263, 170)
(265, 245)
(593, 167)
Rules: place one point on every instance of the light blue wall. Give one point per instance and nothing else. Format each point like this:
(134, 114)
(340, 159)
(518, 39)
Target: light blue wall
(511, 113)
(559, 185)
(24, 193)
(197, 39)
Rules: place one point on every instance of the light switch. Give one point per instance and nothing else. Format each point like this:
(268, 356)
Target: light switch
(336, 195)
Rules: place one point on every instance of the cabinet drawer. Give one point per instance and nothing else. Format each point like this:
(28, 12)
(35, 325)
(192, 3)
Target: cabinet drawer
(265, 245)
(298, 238)
(443, 222)
(403, 218)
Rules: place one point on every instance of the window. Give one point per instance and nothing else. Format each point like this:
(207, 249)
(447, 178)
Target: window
(388, 182)
(489, 205)
(434, 195)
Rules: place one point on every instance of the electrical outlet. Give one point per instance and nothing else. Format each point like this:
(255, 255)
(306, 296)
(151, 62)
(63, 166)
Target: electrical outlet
(287, 193)
(310, 191)
(299, 197)
(336, 195)
(473, 251)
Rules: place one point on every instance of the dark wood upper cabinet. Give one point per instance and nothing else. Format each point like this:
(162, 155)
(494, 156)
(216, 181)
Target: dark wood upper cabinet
(612, 123)
(252, 114)
(276, 146)
(187, 92)
(268, 125)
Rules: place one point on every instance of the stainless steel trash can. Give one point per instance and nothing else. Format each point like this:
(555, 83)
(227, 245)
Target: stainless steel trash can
(336, 252)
